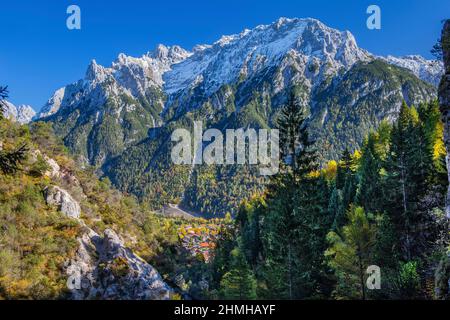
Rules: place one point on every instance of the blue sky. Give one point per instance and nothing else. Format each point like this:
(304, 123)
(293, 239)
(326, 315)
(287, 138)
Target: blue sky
(38, 54)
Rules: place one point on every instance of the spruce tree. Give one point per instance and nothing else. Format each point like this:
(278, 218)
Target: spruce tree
(344, 190)
(314, 222)
(282, 233)
(9, 161)
(369, 181)
(280, 238)
(239, 283)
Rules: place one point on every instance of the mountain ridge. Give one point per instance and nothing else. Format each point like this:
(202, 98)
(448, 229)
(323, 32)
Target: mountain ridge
(168, 67)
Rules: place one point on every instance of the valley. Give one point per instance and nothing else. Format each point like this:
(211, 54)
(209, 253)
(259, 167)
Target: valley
(93, 205)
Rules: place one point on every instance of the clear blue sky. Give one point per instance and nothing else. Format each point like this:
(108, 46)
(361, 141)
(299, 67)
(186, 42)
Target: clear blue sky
(38, 54)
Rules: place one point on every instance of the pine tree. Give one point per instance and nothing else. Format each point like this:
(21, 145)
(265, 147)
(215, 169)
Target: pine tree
(248, 221)
(336, 207)
(369, 181)
(280, 238)
(280, 229)
(408, 168)
(314, 222)
(433, 128)
(350, 254)
(296, 146)
(294, 231)
(289, 122)
(10, 161)
(239, 283)
(344, 169)
(344, 190)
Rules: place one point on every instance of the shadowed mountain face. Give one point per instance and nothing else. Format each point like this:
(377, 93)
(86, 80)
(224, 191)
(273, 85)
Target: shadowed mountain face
(444, 92)
(120, 118)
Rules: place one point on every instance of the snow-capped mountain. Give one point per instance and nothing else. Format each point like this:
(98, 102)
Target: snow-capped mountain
(430, 71)
(22, 114)
(120, 118)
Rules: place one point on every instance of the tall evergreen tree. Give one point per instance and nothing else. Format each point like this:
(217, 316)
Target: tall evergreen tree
(286, 222)
(408, 170)
(350, 254)
(9, 161)
(314, 222)
(239, 283)
(369, 181)
(344, 190)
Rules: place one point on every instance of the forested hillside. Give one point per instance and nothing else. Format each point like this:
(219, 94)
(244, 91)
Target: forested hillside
(314, 232)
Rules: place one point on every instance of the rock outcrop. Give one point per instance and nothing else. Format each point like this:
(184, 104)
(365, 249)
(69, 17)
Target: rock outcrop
(59, 197)
(443, 271)
(105, 269)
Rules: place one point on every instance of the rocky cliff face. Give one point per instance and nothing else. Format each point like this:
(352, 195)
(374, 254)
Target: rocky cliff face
(443, 271)
(63, 200)
(103, 267)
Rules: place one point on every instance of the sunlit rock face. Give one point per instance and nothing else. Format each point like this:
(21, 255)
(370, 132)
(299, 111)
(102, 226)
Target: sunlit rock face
(22, 114)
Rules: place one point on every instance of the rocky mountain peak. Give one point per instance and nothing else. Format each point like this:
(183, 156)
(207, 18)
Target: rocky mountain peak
(173, 54)
(264, 46)
(25, 113)
(22, 113)
(95, 72)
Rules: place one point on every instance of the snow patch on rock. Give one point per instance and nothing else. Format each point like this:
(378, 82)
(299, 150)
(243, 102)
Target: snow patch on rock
(430, 71)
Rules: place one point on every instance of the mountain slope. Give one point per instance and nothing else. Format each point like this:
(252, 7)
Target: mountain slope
(428, 70)
(111, 108)
(347, 110)
(66, 234)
